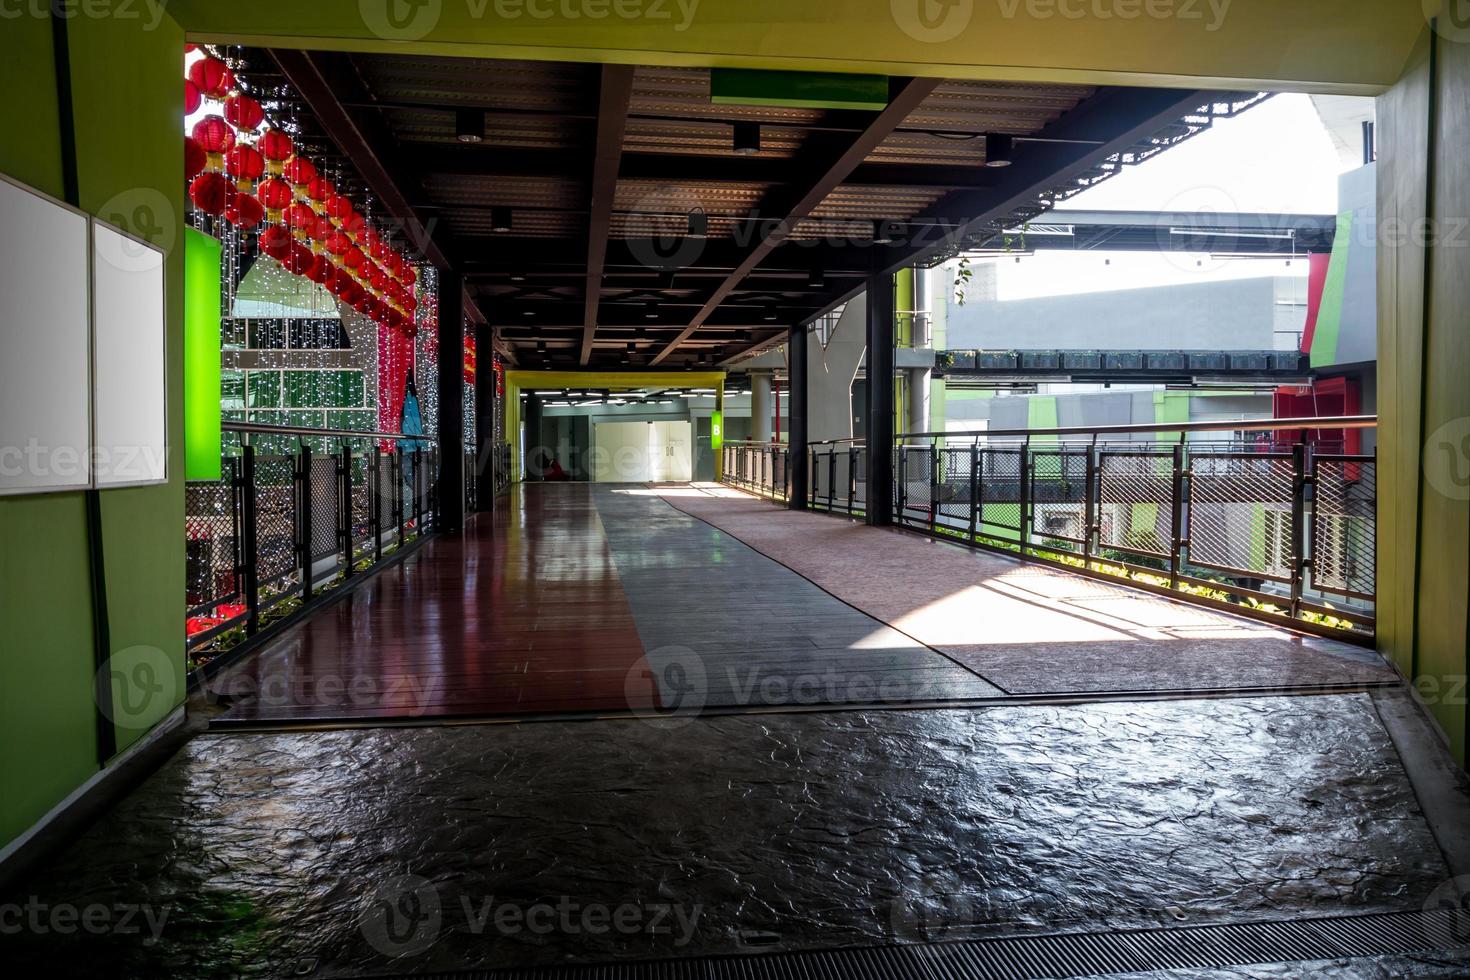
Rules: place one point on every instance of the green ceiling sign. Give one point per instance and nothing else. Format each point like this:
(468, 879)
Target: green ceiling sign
(798, 89)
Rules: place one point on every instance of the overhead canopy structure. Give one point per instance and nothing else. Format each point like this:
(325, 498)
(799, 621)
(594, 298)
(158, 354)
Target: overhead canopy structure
(621, 217)
(1166, 231)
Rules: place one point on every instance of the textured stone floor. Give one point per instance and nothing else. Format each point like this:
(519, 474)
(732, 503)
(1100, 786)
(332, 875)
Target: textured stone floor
(380, 850)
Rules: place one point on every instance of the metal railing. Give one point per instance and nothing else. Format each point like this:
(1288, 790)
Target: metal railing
(760, 467)
(472, 479)
(837, 479)
(1263, 516)
(282, 525)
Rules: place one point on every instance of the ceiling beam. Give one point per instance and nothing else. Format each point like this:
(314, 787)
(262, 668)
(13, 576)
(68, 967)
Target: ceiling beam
(906, 97)
(1113, 121)
(612, 122)
(325, 80)
(503, 161)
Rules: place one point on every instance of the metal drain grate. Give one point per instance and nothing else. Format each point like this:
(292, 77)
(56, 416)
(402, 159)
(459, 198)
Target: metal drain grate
(1052, 956)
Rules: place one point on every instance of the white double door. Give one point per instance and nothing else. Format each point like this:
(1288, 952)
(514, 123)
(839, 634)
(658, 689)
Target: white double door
(643, 452)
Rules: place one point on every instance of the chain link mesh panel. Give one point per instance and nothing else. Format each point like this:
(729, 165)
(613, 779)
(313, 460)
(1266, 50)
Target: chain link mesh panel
(211, 540)
(362, 502)
(275, 519)
(1136, 501)
(1000, 493)
(325, 504)
(1344, 557)
(913, 469)
(1059, 494)
(1240, 513)
(388, 495)
(953, 503)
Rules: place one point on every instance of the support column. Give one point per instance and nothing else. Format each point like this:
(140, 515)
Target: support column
(451, 401)
(880, 400)
(797, 360)
(760, 406)
(534, 446)
(485, 455)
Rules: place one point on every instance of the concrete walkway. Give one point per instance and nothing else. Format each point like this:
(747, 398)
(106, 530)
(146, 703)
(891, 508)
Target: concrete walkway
(1029, 629)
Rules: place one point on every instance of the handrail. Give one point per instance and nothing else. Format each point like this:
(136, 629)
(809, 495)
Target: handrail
(1237, 425)
(261, 428)
(752, 444)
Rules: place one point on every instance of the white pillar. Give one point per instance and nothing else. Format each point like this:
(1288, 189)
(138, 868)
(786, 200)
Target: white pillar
(918, 386)
(760, 406)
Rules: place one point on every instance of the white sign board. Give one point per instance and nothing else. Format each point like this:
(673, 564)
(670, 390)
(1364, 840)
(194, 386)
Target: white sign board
(45, 343)
(130, 435)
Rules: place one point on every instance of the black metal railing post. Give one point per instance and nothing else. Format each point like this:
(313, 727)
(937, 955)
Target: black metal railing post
(1298, 526)
(400, 511)
(1089, 504)
(344, 524)
(377, 488)
(974, 489)
(831, 477)
(933, 485)
(303, 518)
(1023, 532)
(249, 544)
(1176, 533)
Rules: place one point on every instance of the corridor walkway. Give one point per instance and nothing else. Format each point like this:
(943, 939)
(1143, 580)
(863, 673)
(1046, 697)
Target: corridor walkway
(608, 599)
(714, 756)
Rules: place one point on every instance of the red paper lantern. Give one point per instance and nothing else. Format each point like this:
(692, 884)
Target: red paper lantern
(276, 146)
(356, 227)
(213, 77)
(214, 134)
(320, 189)
(410, 275)
(352, 258)
(299, 171)
(243, 112)
(377, 278)
(301, 218)
(411, 302)
(275, 241)
(193, 98)
(195, 159)
(339, 207)
(378, 249)
(244, 211)
(337, 243)
(301, 259)
(364, 304)
(276, 194)
(320, 269)
(209, 192)
(322, 229)
(244, 162)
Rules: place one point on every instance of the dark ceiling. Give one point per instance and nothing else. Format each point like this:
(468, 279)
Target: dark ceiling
(602, 165)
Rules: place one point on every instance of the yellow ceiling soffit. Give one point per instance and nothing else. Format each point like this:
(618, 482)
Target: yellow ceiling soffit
(1343, 46)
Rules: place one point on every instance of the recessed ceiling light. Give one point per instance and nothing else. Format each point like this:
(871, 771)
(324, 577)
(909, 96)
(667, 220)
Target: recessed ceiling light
(747, 138)
(998, 148)
(501, 219)
(698, 224)
(469, 125)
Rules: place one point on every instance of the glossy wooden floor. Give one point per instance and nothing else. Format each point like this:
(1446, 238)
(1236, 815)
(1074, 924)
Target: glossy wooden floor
(531, 619)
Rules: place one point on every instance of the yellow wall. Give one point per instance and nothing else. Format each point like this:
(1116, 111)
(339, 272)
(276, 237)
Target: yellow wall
(1313, 45)
(1424, 358)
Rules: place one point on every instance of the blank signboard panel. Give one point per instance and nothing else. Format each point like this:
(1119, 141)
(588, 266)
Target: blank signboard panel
(44, 344)
(131, 426)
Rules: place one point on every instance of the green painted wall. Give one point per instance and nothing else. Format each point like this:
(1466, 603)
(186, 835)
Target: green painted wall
(129, 103)
(1424, 403)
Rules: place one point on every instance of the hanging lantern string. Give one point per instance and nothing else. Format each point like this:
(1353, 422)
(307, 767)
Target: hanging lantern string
(254, 178)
